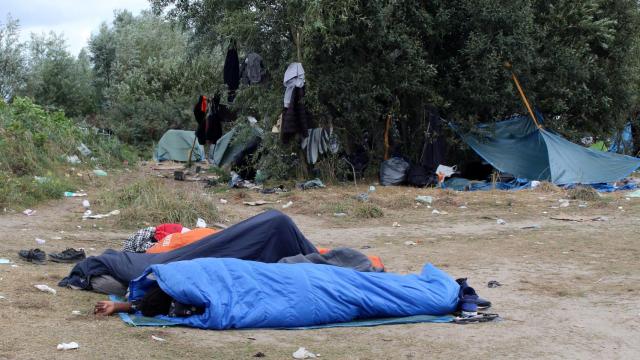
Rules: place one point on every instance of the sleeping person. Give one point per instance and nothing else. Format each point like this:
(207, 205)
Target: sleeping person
(223, 293)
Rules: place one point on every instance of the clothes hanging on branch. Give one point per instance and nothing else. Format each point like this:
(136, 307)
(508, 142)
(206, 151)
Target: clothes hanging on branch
(252, 70)
(296, 119)
(231, 72)
(293, 78)
(210, 128)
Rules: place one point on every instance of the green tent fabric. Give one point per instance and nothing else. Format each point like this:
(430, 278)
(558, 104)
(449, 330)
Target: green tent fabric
(230, 152)
(517, 146)
(176, 144)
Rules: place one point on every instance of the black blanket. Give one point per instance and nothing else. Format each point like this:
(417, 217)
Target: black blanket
(267, 237)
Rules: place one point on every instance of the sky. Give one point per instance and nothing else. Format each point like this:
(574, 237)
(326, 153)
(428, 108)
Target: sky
(77, 19)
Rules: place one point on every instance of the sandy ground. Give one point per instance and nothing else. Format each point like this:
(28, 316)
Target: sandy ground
(570, 290)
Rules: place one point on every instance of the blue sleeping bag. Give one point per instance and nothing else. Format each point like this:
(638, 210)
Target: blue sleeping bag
(246, 294)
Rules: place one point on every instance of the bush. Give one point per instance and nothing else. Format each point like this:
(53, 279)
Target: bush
(34, 142)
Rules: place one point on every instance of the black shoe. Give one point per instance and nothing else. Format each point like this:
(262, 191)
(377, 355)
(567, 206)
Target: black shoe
(33, 255)
(68, 256)
(482, 303)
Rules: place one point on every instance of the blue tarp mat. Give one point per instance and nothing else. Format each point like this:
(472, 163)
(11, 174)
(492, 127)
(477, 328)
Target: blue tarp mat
(517, 146)
(139, 320)
(462, 184)
(246, 294)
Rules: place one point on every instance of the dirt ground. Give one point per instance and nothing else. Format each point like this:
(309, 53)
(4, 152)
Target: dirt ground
(570, 289)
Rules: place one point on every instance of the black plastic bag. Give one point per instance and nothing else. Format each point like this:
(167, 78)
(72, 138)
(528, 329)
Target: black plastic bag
(393, 171)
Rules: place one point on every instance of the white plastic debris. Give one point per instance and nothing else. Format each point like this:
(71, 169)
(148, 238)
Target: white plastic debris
(339, 214)
(287, 205)
(73, 159)
(100, 216)
(86, 204)
(84, 150)
(501, 222)
(303, 353)
(535, 184)
(424, 199)
(68, 346)
(435, 211)
(372, 188)
(462, 207)
(395, 224)
(410, 243)
(40, 241)
(201, 223)
(564, 204)
(223, 201)
(29, 212)
(76, 312)
(56, 238)
(45, 288)
(156, 338)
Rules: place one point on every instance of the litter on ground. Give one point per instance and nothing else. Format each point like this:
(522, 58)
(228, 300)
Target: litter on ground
(303, 353)
(68, 346)
(45, 288)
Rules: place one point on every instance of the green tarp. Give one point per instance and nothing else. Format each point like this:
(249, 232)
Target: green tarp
(518, 147)
(176, 144)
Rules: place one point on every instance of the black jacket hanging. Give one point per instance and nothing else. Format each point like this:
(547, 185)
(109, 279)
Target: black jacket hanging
(296, 119)
(231, 72)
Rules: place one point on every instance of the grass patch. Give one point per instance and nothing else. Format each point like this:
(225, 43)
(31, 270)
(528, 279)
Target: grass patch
(367, 211)
(546, 186)
(154, 201)
(584, 193)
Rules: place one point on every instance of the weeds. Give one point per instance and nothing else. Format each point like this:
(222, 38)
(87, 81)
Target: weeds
(584, 193)
(367, 211)
(154, 201)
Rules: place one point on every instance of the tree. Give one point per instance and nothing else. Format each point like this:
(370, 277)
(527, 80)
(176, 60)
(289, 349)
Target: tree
(12, 59)
(55, 78)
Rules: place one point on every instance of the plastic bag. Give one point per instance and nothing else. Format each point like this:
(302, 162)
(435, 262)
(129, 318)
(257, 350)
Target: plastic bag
(393, 171)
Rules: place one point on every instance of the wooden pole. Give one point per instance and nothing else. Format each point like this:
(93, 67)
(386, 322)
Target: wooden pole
(524, 99)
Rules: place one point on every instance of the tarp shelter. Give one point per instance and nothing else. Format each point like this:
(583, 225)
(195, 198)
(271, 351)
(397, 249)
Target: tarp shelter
(232, 147)
(517, 146)
(176, 144)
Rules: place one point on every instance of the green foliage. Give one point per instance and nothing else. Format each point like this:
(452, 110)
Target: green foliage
(12, 61)
(35, 143)
(146, 78)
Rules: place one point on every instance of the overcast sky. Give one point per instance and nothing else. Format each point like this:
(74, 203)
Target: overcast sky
(77, 19)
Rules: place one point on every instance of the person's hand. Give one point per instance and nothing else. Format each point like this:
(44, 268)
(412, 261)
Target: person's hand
(104, 308)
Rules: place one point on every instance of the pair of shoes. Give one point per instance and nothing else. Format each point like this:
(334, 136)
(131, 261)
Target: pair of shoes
(35, 256)
(469, 300)
(70, 255)
(38, 256)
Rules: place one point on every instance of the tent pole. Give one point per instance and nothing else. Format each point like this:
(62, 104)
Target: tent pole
(524, 99)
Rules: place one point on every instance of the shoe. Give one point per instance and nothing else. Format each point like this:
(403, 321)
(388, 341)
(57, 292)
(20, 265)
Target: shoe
(68, 256)
(36, 256)
(468, 302)
(481, 302)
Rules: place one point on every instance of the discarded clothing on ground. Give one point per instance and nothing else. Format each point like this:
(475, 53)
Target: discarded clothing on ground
(343, 257)
(140, 241)
(311, 184)
(293, 295)
(267, 237)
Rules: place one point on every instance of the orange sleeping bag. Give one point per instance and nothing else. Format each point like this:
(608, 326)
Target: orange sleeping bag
(178, 240)
(375, 260)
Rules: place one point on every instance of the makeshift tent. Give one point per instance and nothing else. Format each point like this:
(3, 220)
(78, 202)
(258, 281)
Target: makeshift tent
(247, 294)
(176, 144)
(599, 146)
(517, 146)
(230, 151)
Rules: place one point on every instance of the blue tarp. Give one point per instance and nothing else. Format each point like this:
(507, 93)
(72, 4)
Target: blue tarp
(518, 147)
(246, 294)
